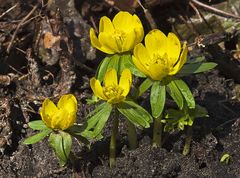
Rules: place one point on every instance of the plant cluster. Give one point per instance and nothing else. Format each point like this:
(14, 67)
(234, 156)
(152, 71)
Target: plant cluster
(160, 61)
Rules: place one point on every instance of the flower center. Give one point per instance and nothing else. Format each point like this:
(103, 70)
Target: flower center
(113, 91)
(157, 60)
(120, 37)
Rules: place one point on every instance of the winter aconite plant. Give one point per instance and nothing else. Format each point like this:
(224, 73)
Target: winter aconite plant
(114, 93)
(119, 35)
(161, 59)
(62, 116)
(161, 56)
(117, 38)
(56, 123)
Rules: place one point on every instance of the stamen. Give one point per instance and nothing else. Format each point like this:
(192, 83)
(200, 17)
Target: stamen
(157, 59)
(113, 91)
(120, 37)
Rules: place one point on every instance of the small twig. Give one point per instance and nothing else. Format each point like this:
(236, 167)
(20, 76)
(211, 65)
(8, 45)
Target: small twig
(22, 51)
(215, 10)
(225, 123)
(188, 21)
(10, 9)
(18, 72)
(207, 23)
(112, 3)
(148, 16)
(191, 28)
(196, 10)
(94, 24)
(211, 39)
(29, 20)
(18, 27)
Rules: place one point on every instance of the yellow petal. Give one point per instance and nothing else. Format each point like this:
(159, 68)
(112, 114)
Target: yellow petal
(173, 48)
(46, 118)
(125, 81)
(55, 120)
(182, 60)
(110, 78)
(123, 21)
(68, 102)
(48, 107)
(65, 119)
(156, 42)
(94, 40)
(95, 43)
(59, 117)
(105, 25)
(129, 41)
(107, 40)
(141, 58)
(140, 66)
(116, 100)
(138, 28)
(97, 88)
(158, 71)
(47, 111)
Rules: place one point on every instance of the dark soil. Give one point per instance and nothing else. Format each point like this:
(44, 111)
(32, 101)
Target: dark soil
(30, 78)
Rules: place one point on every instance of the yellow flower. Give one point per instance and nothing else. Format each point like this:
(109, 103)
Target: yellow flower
(61, 116)
(112, 91)
(118, 36)
(161, 56)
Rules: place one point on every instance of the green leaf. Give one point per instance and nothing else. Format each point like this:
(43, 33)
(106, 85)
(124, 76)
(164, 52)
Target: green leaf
(98, 113)
(198, 59)
(181, 118)
(128, 63)
(173, 113)
(88, 134)
(135, 113)
(99, 107)
(144, 86)
(225, 158)
(76, 131)
(106, 111)
(97, 120)
(61, 143)
(122, 62)
(102, 68)
(37, 137)
(186, 92)
(67, 143)
(175, 119)
(92, 100)
(157, 98)
(191, 68)
(107, 63)
(37, 125)
(114, 62)
(198, 111)
(174, 92)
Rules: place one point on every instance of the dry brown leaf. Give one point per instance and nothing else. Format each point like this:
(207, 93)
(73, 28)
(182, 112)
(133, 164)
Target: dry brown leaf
(49, 40)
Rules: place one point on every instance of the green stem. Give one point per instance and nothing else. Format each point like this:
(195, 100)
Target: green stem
(132, 135)
(157, 132)
(186, 148)
(112, 149)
